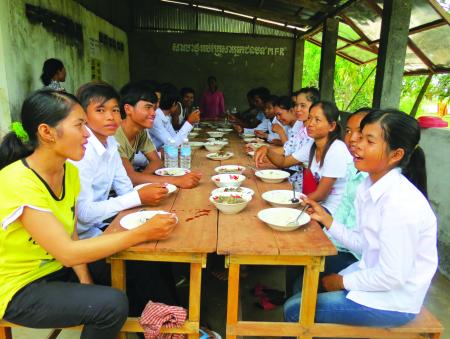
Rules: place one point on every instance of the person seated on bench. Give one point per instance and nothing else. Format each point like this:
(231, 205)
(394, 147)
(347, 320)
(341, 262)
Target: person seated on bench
(44, 280)
(396, 232)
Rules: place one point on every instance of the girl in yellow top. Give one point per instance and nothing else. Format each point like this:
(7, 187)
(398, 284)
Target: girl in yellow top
(44, 281)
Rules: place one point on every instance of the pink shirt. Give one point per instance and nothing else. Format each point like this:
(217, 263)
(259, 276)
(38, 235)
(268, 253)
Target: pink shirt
(212, 104)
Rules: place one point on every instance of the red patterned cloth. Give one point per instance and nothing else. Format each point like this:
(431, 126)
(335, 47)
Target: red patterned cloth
(157, 315)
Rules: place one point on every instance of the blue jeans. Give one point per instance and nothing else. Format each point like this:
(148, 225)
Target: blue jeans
(334, 307)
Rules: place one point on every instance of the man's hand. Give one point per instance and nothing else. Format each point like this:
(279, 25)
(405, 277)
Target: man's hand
(152, 194)
(189, 180)
(261, 134)
(194, 117)
(333, 282)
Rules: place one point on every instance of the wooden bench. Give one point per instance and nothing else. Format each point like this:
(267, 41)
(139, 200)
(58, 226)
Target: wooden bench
(132, 325)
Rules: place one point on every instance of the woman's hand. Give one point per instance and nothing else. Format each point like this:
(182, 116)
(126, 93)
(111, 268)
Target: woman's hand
(261, 134)
(318, 213)
(157, 228)
(333, 282)
(277, 128)
(260, 155)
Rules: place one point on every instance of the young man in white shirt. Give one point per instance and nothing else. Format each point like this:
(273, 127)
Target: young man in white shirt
(162, 130)
(101, 168)
(100, 171)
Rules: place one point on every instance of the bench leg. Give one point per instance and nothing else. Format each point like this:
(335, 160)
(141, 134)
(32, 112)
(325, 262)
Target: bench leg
(118, 280)
(5, 333)
(195, 291)
(233, 298)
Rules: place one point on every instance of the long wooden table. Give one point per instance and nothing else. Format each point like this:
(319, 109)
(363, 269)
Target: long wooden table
(245, 240)
(192, 239)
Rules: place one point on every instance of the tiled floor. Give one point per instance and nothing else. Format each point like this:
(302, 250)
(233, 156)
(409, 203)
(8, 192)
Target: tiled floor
(214, 303)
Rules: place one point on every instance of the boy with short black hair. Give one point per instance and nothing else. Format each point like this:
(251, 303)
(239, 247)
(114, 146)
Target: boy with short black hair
(137, 106)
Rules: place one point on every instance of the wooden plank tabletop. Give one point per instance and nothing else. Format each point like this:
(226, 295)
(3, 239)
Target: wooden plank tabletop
(245, 234)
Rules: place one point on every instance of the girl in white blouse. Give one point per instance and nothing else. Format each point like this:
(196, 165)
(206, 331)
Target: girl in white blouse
(396, 232)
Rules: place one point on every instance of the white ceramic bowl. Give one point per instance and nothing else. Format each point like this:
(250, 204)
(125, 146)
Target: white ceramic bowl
(229, 169)
(215, 156)
(197, 129)
(272, 176)
(282, 198)
(227, 189)
(224, 130)
(230, 208)
(247, 136)
(214, 134)
(193, 134)
(171, 188)
(136, 219)
(247, 140)
(214, 146)
(232, 180)
(279, 217)
(196, 144)
(251, 153)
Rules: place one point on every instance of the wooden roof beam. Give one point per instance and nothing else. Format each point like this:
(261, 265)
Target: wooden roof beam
(309, 4)
(255, 12)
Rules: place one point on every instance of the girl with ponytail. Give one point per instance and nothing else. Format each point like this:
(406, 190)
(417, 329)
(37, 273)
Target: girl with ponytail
(53, 73)
(42, 260)
(396, 233)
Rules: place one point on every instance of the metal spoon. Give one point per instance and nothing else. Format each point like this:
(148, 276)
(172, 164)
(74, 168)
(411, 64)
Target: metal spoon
(295, 222)
(294, 200)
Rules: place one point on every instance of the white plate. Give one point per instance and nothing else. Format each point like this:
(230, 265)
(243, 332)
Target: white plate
(213, 156)
(136, 219)
(196, 144)
(272, 176)
(172, 172)
(228, 189)
(229, 169)
(282, 198)
(171, 188)
(279, 217)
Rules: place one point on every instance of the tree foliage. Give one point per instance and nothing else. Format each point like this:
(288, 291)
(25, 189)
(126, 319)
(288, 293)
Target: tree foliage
(349, 77)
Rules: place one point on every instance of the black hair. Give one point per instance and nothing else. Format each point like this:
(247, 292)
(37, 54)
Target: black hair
(186, 90)
(312, 94)
(271, 99)
(49, 69)
(400, 130)
(212, 77)
(331, 113)
(44, 106)
(169, 96)
(132, 93)
(262, 92)
(284, 102)
(363, 110)
(96, 91)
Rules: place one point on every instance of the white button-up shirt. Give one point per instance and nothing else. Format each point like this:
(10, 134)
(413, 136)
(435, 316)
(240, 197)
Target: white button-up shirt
(100, 170)
(397, 239)
(162, 130)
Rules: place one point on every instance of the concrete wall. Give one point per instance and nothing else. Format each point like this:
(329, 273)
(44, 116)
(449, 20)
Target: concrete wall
(435, 143)
(239, 62)
(25, 46)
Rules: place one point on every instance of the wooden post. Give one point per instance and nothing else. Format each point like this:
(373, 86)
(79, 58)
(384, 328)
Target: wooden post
(419, 98)
(297, 67)
(328, 59)
(391, 54)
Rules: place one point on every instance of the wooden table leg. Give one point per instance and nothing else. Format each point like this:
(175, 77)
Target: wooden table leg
(195, 291)
(309, 296)
(118, 280)
(233, 297)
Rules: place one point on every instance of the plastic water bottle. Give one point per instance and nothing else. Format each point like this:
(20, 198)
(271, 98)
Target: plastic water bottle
(171, 154)
(185, 154)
